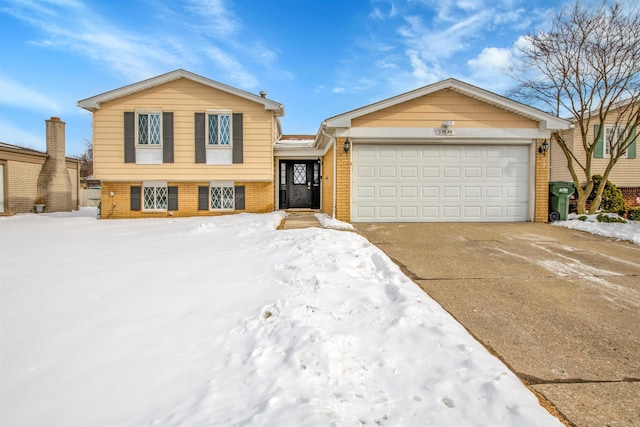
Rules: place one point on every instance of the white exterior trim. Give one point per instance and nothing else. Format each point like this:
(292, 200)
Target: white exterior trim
(373, 134)
(547, 121)
(94, 102)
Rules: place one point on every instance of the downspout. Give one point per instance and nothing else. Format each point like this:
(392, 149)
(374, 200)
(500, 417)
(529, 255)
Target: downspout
(335, 169)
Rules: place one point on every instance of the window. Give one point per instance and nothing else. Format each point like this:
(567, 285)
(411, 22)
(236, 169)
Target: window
(155, 197)
(149, 129)
(299, 173)
(219, 129)
(221, 197)
(613, 135)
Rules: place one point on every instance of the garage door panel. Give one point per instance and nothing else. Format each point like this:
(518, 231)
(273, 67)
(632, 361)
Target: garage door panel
(388, 212)
(430, 172)
(436, 183)
(387, 192)
(365, 192)
(409, 172)
(409, 192)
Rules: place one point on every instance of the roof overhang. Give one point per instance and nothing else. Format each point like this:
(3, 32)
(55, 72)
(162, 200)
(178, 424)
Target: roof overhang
(94, 102)
(546, 121)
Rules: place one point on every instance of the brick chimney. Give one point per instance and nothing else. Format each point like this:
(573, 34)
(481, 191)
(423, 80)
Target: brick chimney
(54, 184)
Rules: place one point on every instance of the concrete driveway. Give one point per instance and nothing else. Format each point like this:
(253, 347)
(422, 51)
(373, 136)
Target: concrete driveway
(560, 307)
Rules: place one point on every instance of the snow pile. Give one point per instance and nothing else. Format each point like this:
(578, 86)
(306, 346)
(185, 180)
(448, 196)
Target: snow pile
(225, 321)
(327, 222)
(629, 231)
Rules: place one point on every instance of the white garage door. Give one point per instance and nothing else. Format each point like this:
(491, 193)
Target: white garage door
(423, 183)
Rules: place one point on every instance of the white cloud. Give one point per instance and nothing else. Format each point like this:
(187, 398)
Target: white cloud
(28, 138)
(338, 90)
(74, 27)
(236, 72)
(16, 94)
(217, 15)
(491, 59)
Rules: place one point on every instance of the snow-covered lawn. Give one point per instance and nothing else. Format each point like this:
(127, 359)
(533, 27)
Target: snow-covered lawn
(629, 231)
(227, 322)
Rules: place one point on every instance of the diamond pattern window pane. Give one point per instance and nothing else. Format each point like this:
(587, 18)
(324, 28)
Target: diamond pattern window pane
(149, 129)
(154, 129)
(143, 129)
(155, 197)
(161, 197)
(216, 198)
(225, 129)
(227, 197)
(149, 197)
(299, 173)
(222, 197)
(213, 129)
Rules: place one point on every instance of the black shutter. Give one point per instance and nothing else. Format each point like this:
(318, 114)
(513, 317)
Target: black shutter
(203, 198)
(201, 155)
(172, 203)
(135, 197)
(239, 195)
(129, 137)
(237, 138)
(167, 137)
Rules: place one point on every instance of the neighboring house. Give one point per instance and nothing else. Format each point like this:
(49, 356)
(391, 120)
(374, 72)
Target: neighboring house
(26, 175)
(180, 144)
(625, 174)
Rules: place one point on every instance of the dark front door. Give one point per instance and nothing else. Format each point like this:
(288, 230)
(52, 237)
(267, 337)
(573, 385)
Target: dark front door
(299, 184)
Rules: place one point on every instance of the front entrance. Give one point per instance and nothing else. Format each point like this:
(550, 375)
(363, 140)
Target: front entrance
(299, 184)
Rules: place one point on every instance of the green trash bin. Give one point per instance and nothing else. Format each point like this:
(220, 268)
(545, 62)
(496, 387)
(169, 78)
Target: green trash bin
(559, 194)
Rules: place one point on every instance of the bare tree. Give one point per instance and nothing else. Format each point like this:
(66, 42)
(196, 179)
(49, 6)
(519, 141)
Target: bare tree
(86, 160)
(587, 67)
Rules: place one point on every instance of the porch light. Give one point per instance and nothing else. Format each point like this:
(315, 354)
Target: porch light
(347, 145)
(543, 148)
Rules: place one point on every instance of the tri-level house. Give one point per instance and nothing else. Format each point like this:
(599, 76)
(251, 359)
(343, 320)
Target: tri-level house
(181, 144)
(625, 174)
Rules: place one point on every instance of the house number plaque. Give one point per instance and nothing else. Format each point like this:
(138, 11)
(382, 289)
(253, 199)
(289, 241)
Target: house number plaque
(444, 132)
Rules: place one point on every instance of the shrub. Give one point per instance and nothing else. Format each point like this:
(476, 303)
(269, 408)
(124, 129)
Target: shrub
(634, 214)
(606, 218)
(583, 218)
(612, 199)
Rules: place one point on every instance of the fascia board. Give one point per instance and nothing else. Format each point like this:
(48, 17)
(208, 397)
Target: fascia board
(429, 134)
(94, 102)
(547, 120)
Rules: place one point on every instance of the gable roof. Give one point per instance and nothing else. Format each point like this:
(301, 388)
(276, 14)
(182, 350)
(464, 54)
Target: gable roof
(94, 102)
(547, 121)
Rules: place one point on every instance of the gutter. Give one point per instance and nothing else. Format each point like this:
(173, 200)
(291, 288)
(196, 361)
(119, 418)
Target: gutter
(335, 169)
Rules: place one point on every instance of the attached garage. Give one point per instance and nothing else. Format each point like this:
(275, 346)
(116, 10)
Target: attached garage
(447, 152)
(440, 183)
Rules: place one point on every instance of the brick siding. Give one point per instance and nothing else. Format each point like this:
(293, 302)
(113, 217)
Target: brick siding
(258, 199)
(541, 192)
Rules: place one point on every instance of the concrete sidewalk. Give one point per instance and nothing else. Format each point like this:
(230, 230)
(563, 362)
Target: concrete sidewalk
(560, 307)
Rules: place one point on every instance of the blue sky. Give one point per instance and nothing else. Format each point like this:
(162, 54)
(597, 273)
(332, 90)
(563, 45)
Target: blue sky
(317, 57)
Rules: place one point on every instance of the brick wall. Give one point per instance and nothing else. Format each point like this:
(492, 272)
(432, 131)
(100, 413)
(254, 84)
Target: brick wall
(258, 199)
(22, 186)
(631, 196)
(541, 196)
(343, 188)
(327, 182)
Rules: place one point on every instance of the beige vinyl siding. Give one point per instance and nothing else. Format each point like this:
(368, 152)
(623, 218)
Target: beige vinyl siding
(431, 110)
(626, 172)
(558, 170)
(183, 98)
